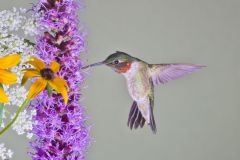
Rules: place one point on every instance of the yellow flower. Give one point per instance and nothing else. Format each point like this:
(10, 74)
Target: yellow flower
(7, 77)
(47, 78)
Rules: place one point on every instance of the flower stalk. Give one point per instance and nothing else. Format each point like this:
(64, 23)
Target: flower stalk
(49, 89)
(15, 117)
(61, 130)
(1, 108)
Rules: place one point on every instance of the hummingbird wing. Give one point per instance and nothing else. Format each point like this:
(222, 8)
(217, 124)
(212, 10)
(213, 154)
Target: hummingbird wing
(135, 117)
(162, 73)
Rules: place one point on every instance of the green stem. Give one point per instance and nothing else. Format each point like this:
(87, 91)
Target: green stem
(16, 116)
(1, 109)
(1, 113)
(49, 89)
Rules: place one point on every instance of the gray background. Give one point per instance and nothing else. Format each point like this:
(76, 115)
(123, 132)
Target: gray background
(197, 116)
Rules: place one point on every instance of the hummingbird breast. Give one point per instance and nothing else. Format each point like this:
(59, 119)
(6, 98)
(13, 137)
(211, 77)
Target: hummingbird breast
(138, 83)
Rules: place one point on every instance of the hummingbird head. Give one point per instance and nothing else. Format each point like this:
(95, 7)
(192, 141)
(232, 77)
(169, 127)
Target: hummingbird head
(118, 61)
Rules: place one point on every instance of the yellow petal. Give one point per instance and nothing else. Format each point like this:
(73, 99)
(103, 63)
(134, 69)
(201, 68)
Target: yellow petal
(3, 96)
(29, 73)
(55, 66)
(61, 81)
(60, 86)
(7, 77)
(37, 63)
(10, 61)
(37, 87)
(65, 95)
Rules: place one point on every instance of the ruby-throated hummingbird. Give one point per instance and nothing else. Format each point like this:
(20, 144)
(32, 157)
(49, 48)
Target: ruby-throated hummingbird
(141, 78)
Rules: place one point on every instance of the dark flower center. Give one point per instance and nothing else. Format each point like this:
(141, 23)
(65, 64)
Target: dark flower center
(47, 73)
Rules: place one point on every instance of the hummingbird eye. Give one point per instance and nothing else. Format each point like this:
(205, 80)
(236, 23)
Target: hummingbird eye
(116, 62)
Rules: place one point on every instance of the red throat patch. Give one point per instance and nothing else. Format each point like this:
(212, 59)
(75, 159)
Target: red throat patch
(124, 67)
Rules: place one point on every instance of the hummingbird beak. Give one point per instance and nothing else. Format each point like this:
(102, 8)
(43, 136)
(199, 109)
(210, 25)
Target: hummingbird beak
(93, 65)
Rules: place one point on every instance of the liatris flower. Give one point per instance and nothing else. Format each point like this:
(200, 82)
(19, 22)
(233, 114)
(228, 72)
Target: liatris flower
(60, 130)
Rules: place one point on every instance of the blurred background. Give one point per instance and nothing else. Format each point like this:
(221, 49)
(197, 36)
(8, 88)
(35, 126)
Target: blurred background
(197, 116)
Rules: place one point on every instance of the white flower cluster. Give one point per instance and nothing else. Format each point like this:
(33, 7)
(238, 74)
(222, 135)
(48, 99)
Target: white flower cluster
(16, 96)
(5, 153)
(13, 43)
(24, 122)
(12, 24)
(17, 19)
(30, 26)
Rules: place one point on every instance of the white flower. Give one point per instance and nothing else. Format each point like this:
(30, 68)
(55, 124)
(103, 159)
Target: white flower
(24, 123)
(10, 20)
(11, 42)
(29, 135)
(16, 96)
(17, 19)
(5, 153)
(11, 23)
(30, 26)
(9, 153)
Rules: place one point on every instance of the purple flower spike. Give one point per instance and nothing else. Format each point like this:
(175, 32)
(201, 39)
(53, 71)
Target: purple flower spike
(61, 131)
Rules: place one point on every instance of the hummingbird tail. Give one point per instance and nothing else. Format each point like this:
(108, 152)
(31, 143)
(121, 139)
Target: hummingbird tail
(152, 123)
(135, 118)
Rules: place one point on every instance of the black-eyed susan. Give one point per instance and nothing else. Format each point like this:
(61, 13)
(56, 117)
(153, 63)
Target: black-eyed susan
(47, 78)
(6, 77)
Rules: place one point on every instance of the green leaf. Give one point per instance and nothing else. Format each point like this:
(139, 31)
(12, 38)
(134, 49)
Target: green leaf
(49, 89)
(29, 42)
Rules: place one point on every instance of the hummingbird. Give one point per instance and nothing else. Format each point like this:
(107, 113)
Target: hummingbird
(141, 77)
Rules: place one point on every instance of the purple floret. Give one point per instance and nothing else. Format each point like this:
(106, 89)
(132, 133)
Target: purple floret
(61, 131)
